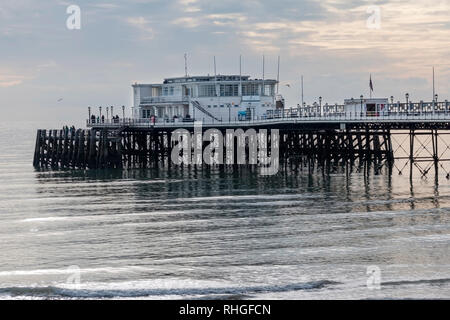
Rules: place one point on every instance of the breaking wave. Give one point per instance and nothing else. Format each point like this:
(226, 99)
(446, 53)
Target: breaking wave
(55, 292)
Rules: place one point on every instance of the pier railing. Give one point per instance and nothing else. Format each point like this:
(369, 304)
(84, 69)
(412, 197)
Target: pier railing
(287, 116)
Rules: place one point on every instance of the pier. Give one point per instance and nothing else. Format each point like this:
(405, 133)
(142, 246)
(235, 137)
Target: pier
(329, 137)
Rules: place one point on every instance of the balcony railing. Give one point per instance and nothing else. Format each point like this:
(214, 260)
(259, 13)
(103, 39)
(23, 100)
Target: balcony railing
(399, 112)
(164, 99)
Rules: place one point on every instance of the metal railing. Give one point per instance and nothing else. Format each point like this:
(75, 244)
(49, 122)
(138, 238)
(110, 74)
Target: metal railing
(164, 99)
(412, 112)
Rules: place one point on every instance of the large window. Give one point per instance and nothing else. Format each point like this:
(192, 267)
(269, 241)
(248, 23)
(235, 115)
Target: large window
(229, 90)
(250, 90)
(269, 90)
(208, 90)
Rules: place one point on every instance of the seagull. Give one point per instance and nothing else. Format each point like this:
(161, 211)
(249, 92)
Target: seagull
(60, 99)
(288, 85)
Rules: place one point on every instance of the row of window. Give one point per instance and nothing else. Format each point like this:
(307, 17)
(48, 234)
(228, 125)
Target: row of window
(225, 90)
(221, 106)
(232, 90)
(168, 91)
(236, 105)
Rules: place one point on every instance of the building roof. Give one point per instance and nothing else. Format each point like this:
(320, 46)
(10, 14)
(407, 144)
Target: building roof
(208, 78)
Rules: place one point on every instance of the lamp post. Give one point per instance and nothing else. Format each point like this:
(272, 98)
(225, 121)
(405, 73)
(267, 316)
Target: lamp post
(123, 112)
(100, 109)
(107, 113)
(435, 102)
(112, 111)
(320, 105)
(229, 112)
(407, 102)
(392, 99)
(361, 97)
(89, 111)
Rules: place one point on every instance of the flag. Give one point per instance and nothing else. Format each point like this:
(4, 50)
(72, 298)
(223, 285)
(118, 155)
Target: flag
(371, 84)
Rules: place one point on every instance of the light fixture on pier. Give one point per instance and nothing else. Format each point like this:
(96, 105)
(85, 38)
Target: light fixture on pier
(407, 98)
(392, 99)
(107, 112)
(89, 110)
(112, 111)
(100, 109)
(436, 97)
(361, 97)
(320, 101)
(123, 111)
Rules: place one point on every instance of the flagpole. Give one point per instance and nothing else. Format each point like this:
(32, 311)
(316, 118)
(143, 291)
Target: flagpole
(302, 91)
(434, 92)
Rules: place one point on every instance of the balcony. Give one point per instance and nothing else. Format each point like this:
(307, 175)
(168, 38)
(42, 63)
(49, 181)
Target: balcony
(165, 99)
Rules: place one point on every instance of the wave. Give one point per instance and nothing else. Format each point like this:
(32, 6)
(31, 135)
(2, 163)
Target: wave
(55, 292)
(415, 282)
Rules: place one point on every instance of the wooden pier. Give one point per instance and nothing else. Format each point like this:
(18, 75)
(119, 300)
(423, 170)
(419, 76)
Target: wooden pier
(137, 148)
(326, 140)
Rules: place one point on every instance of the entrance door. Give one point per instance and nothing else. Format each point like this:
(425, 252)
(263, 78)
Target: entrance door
(371, 110)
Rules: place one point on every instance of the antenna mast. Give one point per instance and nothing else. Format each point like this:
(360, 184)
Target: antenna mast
(240, 73)
(302, 91)
(185, 66)
(263, 87)
(278, 74)
(434, 92)
(215, 76)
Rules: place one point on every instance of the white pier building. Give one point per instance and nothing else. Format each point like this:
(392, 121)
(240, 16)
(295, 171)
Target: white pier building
(208, 98)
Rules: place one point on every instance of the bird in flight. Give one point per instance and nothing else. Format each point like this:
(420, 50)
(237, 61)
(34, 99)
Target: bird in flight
(288, 85)
(60, 99)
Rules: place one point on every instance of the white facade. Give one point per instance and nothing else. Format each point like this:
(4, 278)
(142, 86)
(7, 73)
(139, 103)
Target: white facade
(208, 98)
(366, 107)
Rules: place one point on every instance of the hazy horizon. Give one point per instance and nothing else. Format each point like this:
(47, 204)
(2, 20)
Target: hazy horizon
(50, 72)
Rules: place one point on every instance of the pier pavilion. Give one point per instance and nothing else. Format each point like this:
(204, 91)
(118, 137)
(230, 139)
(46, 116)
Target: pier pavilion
(219, 98)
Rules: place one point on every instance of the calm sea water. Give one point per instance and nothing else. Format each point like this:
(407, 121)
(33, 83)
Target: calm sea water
(212, 234)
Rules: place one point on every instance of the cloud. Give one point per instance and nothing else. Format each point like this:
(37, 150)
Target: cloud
(11, 80)
(143, 25)
(105, 5)
(10, 77)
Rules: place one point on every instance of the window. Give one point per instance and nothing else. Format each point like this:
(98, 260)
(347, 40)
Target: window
(269, 90)
(146, 113)
(207, 90)
(221, 105)
(171, 91)
(229, 90)
(215, 106)
(250, 90)
(165, 91)
(209, 106)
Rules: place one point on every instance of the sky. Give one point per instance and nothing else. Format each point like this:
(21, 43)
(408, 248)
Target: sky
(48, 71)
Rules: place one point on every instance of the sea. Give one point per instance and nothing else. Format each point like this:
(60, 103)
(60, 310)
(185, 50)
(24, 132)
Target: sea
(218, 233)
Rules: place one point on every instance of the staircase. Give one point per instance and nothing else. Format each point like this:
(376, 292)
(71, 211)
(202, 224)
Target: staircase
(198, 106)
(116, 135)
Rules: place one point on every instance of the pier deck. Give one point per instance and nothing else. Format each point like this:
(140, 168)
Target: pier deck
(324, 137)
